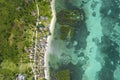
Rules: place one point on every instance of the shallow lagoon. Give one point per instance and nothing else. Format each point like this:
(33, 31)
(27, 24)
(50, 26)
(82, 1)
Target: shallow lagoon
(93, 50)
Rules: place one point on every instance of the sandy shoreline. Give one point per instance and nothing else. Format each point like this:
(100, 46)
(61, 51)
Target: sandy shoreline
(52, 25)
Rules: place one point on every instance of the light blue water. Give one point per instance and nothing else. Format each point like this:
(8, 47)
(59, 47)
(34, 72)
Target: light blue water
(93, 53)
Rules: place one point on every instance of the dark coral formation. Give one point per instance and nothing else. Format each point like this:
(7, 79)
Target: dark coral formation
(66, 32)
(70, 17)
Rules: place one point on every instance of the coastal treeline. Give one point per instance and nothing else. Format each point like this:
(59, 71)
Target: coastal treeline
(17, 22)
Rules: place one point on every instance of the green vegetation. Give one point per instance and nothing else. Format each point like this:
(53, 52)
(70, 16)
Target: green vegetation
(18, 18)
(63, 75)
(13, 26)
(16, 30)
(44, 6)
(66, 32)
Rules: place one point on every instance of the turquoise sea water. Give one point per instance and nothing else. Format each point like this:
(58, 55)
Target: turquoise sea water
(93, 52)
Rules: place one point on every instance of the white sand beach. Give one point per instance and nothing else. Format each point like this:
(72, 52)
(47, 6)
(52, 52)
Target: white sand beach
(52, 25)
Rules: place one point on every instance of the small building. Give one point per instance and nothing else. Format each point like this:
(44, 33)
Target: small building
(33, 13)
(40, 26)
(20, 77)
